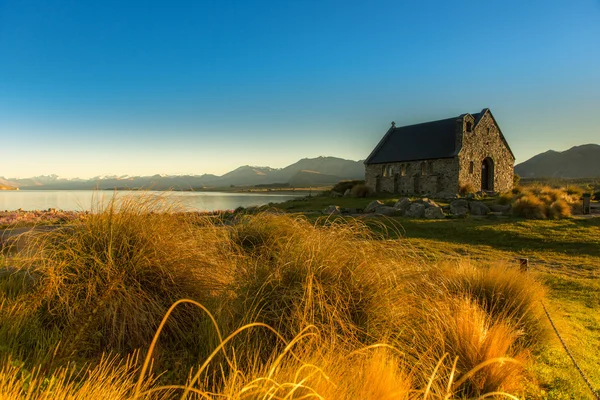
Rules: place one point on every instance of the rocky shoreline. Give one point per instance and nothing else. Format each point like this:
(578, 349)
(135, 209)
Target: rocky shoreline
(38, 217)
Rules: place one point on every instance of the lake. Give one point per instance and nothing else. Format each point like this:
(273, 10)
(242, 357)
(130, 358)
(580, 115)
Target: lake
(82, 200)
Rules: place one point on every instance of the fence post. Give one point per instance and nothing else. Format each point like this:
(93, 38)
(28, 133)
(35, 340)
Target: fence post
(586, 202)
(524, 263)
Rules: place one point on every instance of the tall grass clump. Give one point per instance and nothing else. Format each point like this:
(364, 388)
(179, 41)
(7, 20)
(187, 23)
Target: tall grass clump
(573, 190)
(296, 273)
(529, 206)
(503, 292)
(107, 280)
(541, 202)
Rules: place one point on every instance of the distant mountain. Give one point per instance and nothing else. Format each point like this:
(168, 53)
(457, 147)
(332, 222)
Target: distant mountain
(303, 173)
(577, 162)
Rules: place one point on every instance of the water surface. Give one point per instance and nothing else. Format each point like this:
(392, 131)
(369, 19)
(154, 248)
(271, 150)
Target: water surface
(82, 200)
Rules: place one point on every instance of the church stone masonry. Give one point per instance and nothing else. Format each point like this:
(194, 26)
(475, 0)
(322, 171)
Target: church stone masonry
(440, 157)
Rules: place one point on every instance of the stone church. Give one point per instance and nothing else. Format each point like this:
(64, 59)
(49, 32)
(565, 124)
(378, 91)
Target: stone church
(440, 157)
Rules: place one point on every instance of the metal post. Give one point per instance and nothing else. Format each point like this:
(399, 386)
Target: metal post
(524, 263)
(586, 202)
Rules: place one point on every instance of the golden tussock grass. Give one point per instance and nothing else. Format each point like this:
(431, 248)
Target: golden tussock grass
(542, 202)
(280, 307)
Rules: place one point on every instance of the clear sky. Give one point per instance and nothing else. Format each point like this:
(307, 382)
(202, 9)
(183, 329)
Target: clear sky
(144, 87)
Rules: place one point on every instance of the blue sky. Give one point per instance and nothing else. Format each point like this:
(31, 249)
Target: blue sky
(145, 87)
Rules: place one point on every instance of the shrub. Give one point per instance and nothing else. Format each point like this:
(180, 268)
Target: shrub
(360, 190)
(573, 190)
(549, 195)
(516, 179)
(538, 189)
(466, 189)
(529, 206)
(559, 209)
(505, 198)
(597, 196)
(517, 190)
(342, 186)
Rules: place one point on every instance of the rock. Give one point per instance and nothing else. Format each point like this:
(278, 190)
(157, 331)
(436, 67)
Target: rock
(402, 204)
(373, 205)
(500, 208)
(335, 194)
(332, 210)
(459, 207)
(347, 193)
(478, 208)
(416, 210)
(434, 213)
(387, 210)
(426, 202)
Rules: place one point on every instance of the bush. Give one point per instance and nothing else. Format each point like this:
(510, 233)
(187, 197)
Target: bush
(505, 198)
(597, 196)
(529, 206)
(573, 190)
(466, 189)
(559, 209)
(361, 190)
(342, 186)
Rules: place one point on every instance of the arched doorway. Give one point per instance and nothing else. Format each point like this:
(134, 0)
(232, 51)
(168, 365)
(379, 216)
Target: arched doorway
(487, 175)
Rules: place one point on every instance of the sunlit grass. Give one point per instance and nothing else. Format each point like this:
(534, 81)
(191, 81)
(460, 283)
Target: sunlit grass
(280, 307)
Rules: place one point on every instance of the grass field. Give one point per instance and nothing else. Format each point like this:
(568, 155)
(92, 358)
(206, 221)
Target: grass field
(378, 308)
(563, 254)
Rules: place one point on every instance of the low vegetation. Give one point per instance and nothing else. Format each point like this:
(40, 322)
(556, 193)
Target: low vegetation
(541, 202)
(279, 306)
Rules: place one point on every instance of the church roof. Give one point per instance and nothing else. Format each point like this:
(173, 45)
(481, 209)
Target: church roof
(428, 140)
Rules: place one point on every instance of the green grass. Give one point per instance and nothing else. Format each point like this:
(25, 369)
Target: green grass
(563, 254)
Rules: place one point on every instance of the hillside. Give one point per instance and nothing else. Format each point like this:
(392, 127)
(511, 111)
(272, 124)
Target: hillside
(303, 173)
(577, 162)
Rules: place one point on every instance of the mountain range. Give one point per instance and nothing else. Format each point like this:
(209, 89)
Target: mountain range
(577, 162)
(303, 173)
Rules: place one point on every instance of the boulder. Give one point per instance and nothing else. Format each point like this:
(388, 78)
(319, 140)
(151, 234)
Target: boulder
(459, 207)
(416, 210)
(347, 193)
(434, 213)
(402, 204)
(332, 210)
(387, 210)
(373, 205)
(335, 194)
(478, 208)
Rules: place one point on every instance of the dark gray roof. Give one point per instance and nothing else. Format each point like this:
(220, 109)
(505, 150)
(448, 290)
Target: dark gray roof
(429, 140)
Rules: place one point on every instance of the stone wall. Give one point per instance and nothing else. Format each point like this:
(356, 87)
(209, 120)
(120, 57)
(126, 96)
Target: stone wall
(414, 177)
(485, 142)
